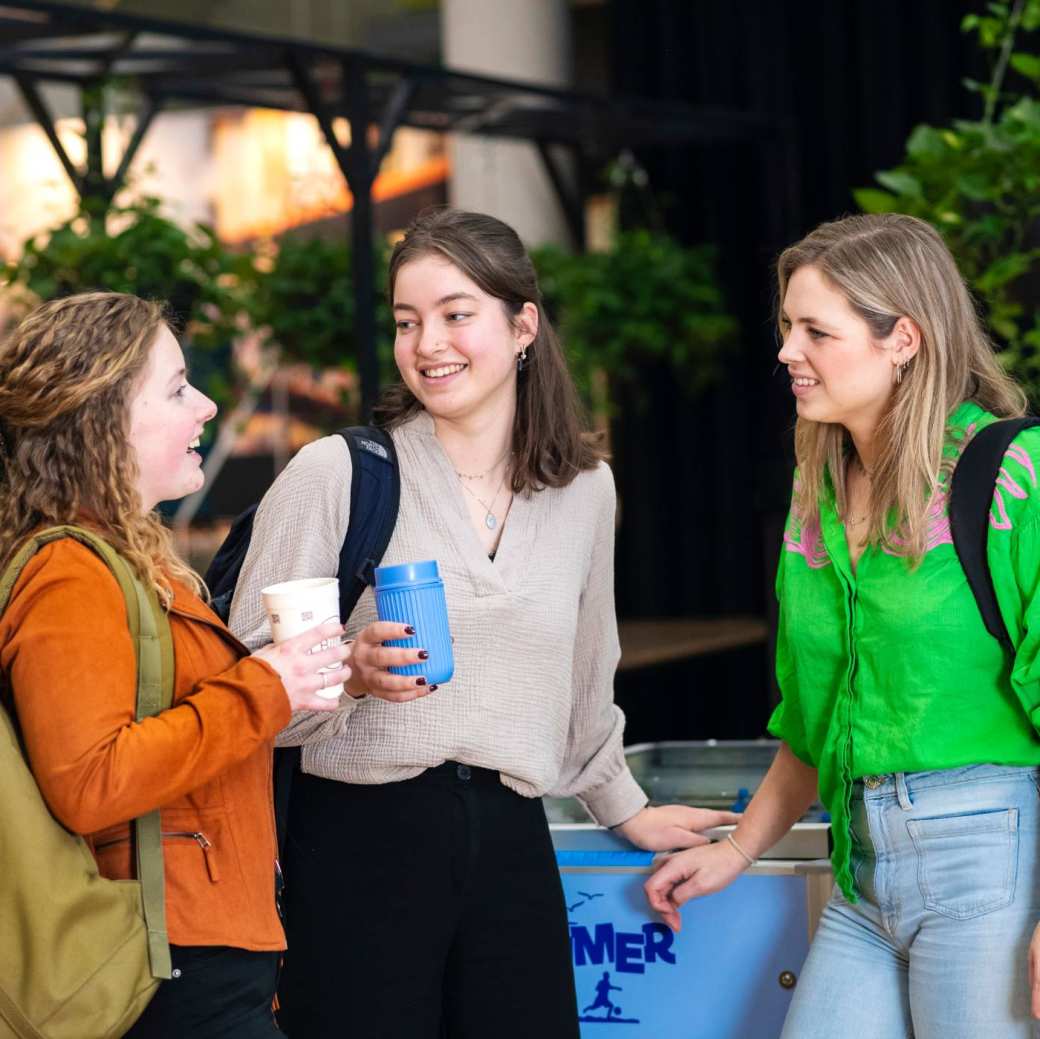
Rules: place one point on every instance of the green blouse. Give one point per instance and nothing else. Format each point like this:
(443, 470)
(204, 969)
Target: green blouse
(890, 669)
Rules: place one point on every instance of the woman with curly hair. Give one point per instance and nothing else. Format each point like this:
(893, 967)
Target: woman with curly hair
(98, 424)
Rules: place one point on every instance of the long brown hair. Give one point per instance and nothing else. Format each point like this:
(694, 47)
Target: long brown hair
(67, 373)
(888, 266)
(550, 442)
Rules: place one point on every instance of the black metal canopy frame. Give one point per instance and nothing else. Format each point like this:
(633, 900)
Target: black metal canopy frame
(172, 64)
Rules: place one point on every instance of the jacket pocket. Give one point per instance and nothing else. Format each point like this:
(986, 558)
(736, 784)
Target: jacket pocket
(116, 852)
(967, 865)
(209, 853)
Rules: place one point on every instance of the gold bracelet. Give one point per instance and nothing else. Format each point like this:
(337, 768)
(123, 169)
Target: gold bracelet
(733, 840)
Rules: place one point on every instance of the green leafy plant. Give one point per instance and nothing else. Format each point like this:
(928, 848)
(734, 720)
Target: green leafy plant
(303, 299)
(978, 182)
(134, 248)
(648, 298)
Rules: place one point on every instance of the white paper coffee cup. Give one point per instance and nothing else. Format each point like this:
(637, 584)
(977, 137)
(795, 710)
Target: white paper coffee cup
(294, 607)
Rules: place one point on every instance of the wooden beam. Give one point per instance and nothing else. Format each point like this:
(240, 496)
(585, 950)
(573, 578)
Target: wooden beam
(645, 643)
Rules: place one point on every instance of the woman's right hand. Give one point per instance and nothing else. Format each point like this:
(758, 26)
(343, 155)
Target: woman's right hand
(372, 659)
(690, 874)
(299, 668)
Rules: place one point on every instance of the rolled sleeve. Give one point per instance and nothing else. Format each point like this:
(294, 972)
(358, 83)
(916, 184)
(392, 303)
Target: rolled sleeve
(594, 769)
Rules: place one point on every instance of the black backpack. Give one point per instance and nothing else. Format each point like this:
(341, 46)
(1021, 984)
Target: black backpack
(375, 495)
(971, 496)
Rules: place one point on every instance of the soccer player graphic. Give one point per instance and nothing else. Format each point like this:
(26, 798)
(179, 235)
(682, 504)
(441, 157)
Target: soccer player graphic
(603, 990)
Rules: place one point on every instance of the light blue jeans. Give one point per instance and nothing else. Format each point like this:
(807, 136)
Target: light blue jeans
(946, 864)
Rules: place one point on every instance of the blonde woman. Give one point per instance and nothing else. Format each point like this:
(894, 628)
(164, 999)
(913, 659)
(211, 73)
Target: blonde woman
(917, 726)
(98, 424)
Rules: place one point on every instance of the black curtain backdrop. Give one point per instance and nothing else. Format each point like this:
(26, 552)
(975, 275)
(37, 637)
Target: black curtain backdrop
(704, 484)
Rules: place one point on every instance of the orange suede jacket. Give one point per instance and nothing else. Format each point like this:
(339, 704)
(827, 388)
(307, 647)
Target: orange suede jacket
(67, 660)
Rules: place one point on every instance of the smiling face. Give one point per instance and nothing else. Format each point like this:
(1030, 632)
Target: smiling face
(456, 347)
(166, 420)
(839, 371)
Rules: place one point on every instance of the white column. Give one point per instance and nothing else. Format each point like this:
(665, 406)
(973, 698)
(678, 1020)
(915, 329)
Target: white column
(518, 39)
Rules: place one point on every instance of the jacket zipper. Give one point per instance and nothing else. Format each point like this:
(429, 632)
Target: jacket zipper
(279, 876)
(195, 835)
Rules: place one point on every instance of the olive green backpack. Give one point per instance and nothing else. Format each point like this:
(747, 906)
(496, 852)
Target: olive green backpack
(80, 956)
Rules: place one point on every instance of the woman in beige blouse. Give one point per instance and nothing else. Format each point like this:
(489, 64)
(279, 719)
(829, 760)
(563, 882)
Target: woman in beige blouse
(422, 885)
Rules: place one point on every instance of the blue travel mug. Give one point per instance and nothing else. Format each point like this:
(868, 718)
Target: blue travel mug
(413, 593)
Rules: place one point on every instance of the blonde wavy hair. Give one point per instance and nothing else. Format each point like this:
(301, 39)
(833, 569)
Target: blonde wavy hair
(67, 375)
(888, 266)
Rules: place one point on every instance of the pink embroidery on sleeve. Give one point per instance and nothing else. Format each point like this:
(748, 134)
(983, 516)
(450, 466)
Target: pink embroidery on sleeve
(998, 514)
(1000, 521)
(1007, 481)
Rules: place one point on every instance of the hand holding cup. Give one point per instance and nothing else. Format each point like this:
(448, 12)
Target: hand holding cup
(296, 608)
(408, 651)
(301, 668)
(372, 660)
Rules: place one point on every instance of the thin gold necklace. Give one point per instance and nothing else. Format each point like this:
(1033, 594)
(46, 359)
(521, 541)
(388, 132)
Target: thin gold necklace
(480, 476)
(848, 521)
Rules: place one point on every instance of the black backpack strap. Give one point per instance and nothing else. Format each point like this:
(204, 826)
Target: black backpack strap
(375, 496)
(971, 497)
(222, 574)
(375, 482)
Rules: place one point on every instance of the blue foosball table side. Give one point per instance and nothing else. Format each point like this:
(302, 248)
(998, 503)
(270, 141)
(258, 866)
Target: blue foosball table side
(728, 974)
(733, 967)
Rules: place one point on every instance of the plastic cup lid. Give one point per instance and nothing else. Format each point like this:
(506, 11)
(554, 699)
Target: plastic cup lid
(407, 573)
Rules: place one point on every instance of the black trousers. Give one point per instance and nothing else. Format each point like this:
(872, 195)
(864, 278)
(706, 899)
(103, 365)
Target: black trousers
(424, 908)
(216, 993)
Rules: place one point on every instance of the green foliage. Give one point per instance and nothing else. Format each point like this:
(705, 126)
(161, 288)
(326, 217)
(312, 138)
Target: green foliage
(136, 249)
(301, 298)
(305, 300)
(647, 298)
(143, 253)
(978, 182)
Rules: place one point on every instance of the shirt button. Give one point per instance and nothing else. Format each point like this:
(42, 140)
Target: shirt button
(463, 772)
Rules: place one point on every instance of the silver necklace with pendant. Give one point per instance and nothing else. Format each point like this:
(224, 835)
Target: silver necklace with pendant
(489, 516)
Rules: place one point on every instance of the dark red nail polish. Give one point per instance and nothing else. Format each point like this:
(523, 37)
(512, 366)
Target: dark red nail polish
(432, 687)
(423, 655)
(420, 681)
(409, 630)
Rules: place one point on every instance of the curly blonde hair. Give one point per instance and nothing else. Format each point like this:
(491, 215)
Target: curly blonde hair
(67, 374)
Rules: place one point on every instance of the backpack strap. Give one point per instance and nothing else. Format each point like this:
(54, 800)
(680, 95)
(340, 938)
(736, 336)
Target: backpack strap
(376, 482)
(153, 649)
(375, 497)
(971, 497)
(225, 567)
